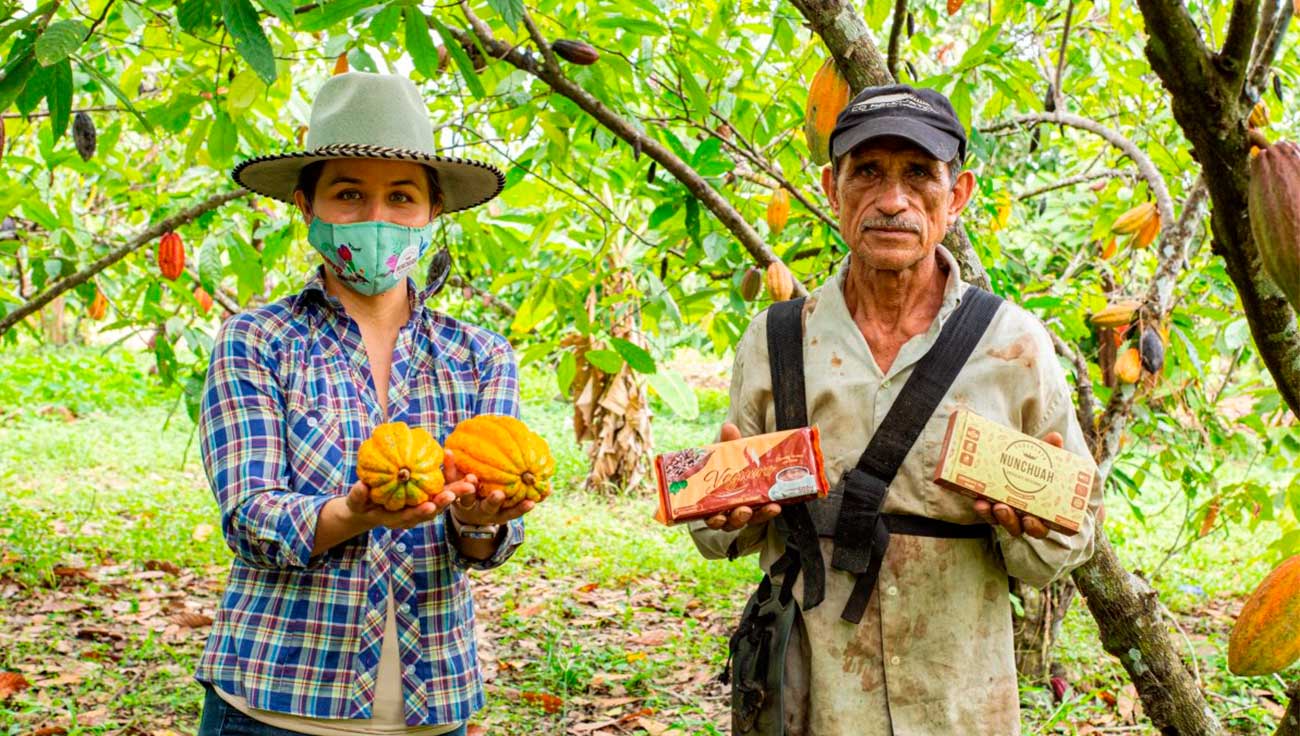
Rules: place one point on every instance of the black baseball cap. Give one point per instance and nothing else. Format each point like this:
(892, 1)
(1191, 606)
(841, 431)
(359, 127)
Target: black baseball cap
(920, 115)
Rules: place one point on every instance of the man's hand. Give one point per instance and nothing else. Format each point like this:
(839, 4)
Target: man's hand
(1013, 521)
(474, 511)
(741, 516)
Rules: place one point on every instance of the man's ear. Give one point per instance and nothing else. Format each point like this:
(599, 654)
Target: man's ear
(304, 206)
(962, 190)
(828, 187)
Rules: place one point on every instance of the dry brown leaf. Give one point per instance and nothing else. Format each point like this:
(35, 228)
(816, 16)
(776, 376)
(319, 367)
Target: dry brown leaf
(164, 565)
(531, 611)
(98, 632)
(654, 728)
(474, 729)
(49, 731)
(12, 682)
(636, 715)
(546, 701)
(650, 638)
(191, 619)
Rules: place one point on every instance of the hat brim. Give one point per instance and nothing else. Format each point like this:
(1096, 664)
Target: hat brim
(937, 143)
(465, 182)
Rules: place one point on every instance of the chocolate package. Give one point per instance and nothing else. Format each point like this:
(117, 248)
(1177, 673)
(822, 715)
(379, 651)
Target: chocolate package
(778, 467)
(983, 459)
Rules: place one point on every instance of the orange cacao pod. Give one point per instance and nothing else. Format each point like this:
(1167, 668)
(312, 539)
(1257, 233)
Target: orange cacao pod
(827, 96)
(505, 455)
(98, 306)
(401, 466)
(778, 211)
(780, 282)
(341, 64)
(1266, 637)
(954, 6)
(1273, 201)
(204, 299)
(1129, 366)
(171, 256)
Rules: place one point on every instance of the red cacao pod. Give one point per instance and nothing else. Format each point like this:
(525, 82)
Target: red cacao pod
(576, 52)
(1273, 201)
(204, 299)
(171, 256)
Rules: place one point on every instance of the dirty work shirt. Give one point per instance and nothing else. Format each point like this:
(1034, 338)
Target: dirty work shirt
(933, 654)
(288, 401)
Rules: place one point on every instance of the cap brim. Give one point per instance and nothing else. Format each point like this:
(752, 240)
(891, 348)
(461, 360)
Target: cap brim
(935, 142)
(465, 182)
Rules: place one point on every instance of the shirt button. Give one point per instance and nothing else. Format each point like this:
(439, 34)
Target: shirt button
(892, 590)
(401, 547)
(895, 660)
(311, 422)
(410, 669)
(884, 383)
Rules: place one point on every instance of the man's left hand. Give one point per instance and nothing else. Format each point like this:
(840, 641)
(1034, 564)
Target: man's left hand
(471, 510)
(1015, 522)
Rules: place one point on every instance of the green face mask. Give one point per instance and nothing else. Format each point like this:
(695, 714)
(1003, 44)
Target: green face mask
(370, 257)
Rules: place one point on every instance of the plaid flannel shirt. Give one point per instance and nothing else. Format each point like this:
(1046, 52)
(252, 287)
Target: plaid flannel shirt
(287, 404)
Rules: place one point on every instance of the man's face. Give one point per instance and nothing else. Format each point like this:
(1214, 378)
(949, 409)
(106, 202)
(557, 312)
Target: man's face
(894, 201)
(367, 190)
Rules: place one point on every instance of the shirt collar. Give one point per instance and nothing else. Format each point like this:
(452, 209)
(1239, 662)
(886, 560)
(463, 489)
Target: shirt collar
(313, 290)
(953, 288)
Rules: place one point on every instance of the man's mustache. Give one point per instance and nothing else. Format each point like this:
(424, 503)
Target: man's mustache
(889, 223)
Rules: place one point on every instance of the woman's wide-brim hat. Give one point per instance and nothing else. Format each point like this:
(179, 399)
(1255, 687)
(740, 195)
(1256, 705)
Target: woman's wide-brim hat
(378, 116)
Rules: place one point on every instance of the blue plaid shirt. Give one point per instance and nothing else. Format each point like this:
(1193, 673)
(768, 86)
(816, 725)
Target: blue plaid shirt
(287, 404)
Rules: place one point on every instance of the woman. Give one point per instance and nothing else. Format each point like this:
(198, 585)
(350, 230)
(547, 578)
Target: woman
(341, 617)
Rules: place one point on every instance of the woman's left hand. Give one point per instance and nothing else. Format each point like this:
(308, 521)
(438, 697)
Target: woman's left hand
(472, 510)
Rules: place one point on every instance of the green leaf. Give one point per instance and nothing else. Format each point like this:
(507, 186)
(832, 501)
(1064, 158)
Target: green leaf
(223, 138)
(384, 24)
(117, 92)
(16, 73)
(244, 91)
(210, 265)
(606, 360)
(697, 97)
(679, 397)
(360, 60)
(59, 98)
(59, 41)
(419, 44)
(512, 11)
(282, 9)
(195, 16)
(463, 63)
(635, 355)
(332, 12)
(565, 372)
(250, 41)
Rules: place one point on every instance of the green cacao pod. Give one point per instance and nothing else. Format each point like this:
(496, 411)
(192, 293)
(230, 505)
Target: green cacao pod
(576, 52)
(1274, 206)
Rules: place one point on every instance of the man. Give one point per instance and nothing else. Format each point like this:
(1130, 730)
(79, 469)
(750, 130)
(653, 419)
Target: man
(932, 653)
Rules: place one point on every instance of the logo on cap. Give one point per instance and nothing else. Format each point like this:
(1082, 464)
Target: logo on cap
(899, 99)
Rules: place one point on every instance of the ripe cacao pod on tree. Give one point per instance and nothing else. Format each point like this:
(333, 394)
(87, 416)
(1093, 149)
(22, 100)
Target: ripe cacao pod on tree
(827, 96)
(83, 135)
(1273, 201)
(1266, 637)
(341, 64)
(778, 211)
(1133, 220)
(204, 299)
(954, 6)
(1129, 366)
(505, 455)
(401, 466)
(171, 256)
(575, 52)
(751, 283)
(780, 282)
(1116, 313)
(98, 306)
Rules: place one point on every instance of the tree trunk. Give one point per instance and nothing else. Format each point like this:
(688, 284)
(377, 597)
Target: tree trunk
(1037, 631)
(1290, 723)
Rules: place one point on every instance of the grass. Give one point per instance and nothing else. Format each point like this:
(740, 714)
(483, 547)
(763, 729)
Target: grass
(602, 608)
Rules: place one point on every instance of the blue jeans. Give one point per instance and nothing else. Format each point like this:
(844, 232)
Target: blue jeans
(220, 719)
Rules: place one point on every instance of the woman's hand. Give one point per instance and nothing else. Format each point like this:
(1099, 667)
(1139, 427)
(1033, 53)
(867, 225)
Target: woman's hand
(471, 510)
(371, 514)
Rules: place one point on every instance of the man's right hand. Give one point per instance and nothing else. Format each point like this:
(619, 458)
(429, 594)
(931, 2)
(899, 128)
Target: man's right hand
(741, 516)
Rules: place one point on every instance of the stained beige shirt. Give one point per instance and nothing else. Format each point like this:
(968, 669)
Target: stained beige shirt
(933, 653)
(388, 715)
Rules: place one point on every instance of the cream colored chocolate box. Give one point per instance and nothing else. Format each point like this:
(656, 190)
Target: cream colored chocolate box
(983, 459)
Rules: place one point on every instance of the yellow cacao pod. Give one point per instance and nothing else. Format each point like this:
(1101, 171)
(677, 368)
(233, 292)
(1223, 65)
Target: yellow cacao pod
(778, 211)
(780, 282)
(827, 96)
(1134, 219)
(1116, 314)
(401, 466)
(1273, 202)
(1266, 637)
(505, 455)
(1129, 366)
(1146, 234)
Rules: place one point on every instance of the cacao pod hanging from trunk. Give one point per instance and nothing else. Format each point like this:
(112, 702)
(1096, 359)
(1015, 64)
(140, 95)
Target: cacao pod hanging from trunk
(1266, 637)
(575, 52)
(1129, 366)
(827, 96)
(83, 134)
(751, 283)
(778, 211)
(1273, 201)
(171, 256)
(1152, 350)
(204, 299)
(780, 282)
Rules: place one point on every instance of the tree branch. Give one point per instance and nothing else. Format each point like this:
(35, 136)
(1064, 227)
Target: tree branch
(1086, 408)
(1060, 59)
(896, 35)
(85, 274)
(1234, 58)
(1275, 16)
(1289, 725)
(1070, 181)
(488, 297)
(847, 37)
(726, 214)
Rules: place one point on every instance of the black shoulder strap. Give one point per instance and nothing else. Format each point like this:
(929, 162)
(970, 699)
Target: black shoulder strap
(861, 536)
(785, 358)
